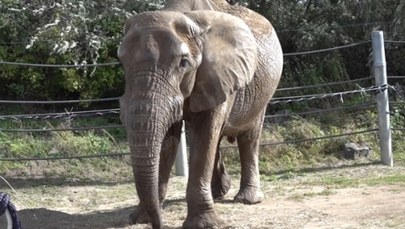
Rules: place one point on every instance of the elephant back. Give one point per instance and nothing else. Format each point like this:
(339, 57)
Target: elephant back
(258, 24)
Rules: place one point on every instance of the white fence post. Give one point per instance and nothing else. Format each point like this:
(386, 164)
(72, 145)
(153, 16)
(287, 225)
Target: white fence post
(380, 74)
(181, 156)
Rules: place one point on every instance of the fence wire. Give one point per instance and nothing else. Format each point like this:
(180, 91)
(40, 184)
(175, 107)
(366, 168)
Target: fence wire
(276, 100)
(59, 101)
(116, 111)
(283, 30)
(21, 64)
(221, 147)
(324, 84)
(61, 115)
(327, 49)
(59, 129)
(92, 113)
(308, 139)
(65, 157)
(118, 63)
(289, 99)
(394, 42)
(360, 107)
(396, 77)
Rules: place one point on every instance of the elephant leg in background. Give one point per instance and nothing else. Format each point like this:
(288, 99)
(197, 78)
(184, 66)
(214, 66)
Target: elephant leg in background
(221, 182)
(205, 128)
(167, 157)
(248, 142)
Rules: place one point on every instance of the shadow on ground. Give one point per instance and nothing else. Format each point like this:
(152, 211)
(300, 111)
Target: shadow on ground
(21, 182)
(42, 218)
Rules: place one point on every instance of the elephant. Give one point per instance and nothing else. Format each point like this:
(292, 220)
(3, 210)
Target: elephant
(213, 65)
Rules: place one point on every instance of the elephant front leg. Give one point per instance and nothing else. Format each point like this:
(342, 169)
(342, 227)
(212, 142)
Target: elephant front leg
(205, 134)
(248, 143)
(167, 157)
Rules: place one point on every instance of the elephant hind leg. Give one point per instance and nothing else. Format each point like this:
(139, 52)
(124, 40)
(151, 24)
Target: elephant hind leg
(248, 143)
(221, 181)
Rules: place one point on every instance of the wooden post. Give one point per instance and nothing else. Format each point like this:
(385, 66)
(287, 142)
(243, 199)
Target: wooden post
(380, 74)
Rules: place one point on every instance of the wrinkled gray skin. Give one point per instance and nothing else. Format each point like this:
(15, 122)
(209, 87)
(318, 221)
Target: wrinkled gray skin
(213, 70)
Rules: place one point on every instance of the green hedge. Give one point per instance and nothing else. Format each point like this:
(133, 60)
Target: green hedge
(77, 32)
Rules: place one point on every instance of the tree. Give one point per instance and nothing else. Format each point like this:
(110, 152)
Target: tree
(80, 32)
(304, 25)
(399, 30)
(63, 32)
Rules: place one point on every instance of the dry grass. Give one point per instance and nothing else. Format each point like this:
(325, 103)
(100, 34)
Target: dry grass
(349, 196)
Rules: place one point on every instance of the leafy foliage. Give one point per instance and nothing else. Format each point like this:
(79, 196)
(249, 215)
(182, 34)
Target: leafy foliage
(318, 24)
(80, 32)
(63, 32)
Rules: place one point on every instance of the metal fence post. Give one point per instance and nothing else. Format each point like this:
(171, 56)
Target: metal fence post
(181, 156)
(380, 74)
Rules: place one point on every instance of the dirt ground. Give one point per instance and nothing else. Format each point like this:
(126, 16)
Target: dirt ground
(292, 200)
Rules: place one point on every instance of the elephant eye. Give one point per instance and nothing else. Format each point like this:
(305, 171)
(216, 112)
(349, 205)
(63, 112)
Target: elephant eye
(184, 61)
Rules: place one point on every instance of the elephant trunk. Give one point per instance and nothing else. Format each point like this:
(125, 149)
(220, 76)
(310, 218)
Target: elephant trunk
(145, 135)
(147, 119)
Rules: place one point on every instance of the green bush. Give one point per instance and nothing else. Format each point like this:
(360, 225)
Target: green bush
(69, 32)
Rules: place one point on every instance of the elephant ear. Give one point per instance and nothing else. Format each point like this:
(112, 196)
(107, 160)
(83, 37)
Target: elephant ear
(229, 58)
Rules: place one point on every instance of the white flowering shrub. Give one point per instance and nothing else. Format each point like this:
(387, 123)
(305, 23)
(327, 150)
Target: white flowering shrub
(63, 32)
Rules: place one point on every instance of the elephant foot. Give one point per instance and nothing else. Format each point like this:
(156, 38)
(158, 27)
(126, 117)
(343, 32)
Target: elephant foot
(204, 220)
(249, 196)
(139, 216)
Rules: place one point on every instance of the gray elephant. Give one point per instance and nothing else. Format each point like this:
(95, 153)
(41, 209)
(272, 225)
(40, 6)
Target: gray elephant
(196, 62)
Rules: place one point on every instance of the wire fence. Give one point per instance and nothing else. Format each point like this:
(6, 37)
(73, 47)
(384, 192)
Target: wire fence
(92, 113)
(290, 99)
(22, 64)
(60, 101)
(60, 129)
(295, 141)
(115, 111)
(315, 112)
(280, 30)
(62, 115)
(284, 30)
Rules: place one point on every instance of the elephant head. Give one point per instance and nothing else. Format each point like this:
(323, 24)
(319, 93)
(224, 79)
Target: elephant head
(177, 63)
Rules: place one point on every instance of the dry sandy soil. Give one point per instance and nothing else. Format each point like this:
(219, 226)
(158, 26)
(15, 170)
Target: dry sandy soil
(293, 200)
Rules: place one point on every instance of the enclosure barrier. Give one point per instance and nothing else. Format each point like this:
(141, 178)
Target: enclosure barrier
(380, 74)
(380, 89)
(181, 156)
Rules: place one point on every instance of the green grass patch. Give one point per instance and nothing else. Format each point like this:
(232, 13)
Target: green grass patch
(284, 159)
(310, 153)
(302, 196)
(62, 144)
(348, 181)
